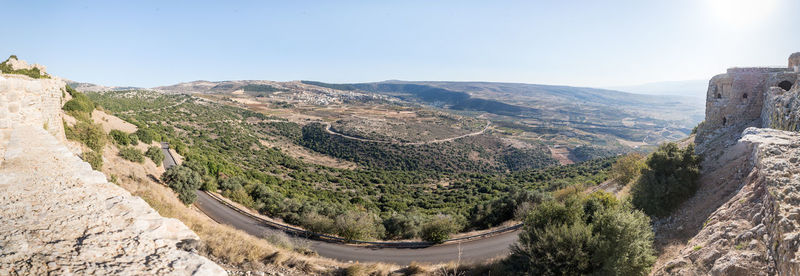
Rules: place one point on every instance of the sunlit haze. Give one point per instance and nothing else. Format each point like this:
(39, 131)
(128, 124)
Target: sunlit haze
(581, 43)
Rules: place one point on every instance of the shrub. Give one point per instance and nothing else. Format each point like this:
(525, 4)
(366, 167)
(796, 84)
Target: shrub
(145, 135)
(627, 168)
(354, 225)
(133, 138)
(93, 158)
(91, 135)
(669, 179)
(402, 226)
(155, 154)
(209, 184)
(595, 234)
(240, 196)
(317, 223)
(70, 90)
(120, 137)
(131, 154)
(79, 102)
(356, 270)
(184, 181)
(438, 229)
(624, 243)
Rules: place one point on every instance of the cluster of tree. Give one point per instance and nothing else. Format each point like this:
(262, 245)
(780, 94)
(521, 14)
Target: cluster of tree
(122, 138)
(582, 235)
(131, 154)
(445, 157)
(668, 179)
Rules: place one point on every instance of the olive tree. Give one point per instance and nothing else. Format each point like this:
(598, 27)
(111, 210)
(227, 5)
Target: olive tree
(183, 181)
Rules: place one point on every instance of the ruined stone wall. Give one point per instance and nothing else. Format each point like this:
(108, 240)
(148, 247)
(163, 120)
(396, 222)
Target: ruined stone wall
(747, 97)
(33, 102)
(794, 62)
(60, 217)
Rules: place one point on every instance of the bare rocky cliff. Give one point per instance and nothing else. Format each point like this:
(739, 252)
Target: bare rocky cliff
(749, 199)
(58, 216)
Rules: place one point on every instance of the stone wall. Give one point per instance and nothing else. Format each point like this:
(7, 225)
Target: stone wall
(794, 62)
(745, 97)
(60, 217)
(25, 101)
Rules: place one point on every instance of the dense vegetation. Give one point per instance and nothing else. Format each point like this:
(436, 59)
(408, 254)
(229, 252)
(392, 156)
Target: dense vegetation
(84, 130)
(120, 137)
(223, 146)
(260, 90)
(582, 235)
(448, 156)
(33, 72)
(627, 168)
(155, 154)
(669, 178)
(131, 154)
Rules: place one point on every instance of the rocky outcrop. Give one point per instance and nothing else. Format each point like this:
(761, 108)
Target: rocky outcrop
(58, 216)
(17, 64)
(755, 230)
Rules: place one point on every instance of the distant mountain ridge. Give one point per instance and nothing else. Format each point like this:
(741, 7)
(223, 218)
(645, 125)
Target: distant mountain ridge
(687, 88)
(535, 99)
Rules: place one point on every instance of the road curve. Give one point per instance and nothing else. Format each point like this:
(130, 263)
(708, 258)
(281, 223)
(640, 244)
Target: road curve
(329, 131)
(471, 251)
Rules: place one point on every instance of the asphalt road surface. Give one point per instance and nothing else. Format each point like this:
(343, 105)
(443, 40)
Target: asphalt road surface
(169, 161)
(471, 251)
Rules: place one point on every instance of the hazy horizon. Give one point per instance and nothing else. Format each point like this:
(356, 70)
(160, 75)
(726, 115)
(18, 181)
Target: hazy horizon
(585, 43)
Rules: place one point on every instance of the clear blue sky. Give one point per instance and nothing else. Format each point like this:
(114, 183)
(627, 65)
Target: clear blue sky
(583, 43)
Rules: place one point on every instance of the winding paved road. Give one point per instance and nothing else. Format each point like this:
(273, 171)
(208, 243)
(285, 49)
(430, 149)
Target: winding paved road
(329, 131)
(471, 251)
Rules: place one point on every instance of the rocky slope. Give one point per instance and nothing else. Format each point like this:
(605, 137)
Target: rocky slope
(745, 218)
(59, 216)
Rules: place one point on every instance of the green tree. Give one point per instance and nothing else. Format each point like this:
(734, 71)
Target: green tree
(133, 138)
(355, 225)
(627, 168)
(79, 102)
(155, 154)
(91, 135)
(120, 137)
(184, 181)
(131, 154)
(594, 234)
(624, 242)
(438, 229)
(93, 158)
(403, 226)
(145, 135)
(669, 179)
